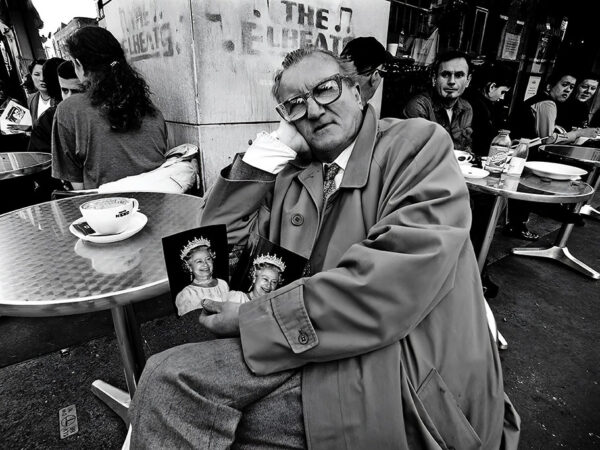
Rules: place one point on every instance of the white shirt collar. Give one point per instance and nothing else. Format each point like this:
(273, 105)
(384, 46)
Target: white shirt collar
(342, 161)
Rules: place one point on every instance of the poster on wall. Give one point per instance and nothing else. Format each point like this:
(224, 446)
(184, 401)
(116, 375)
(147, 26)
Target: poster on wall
(511, 39)
(510, 46)
(532, 87)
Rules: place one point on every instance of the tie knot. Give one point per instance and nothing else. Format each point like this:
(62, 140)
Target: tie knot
(331, 171)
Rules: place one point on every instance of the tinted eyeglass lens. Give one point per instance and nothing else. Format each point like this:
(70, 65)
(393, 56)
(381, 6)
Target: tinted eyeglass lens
(324, 94)
(295, 108)
(327, 92)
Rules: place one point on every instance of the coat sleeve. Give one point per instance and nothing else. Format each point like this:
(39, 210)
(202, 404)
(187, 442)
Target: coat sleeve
(384, 286)
(245, 190)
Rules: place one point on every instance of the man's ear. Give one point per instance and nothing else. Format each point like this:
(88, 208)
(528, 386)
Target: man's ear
(357, 95)
(468, 80)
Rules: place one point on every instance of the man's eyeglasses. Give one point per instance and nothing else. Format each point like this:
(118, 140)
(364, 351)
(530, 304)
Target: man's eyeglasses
(369, 72)
(324, 93)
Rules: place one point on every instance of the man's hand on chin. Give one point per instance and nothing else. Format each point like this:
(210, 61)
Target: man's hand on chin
(222, 318)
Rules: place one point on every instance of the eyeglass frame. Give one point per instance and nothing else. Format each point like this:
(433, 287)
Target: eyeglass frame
(339, 79)
(369, 72)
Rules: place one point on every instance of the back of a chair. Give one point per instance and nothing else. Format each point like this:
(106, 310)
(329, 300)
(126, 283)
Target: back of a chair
(58, 194)
(199, 188)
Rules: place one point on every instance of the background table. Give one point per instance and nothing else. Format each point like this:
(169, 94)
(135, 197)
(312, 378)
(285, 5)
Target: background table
(531, 188)
(47, 271)
(13, 165)
(590, 157)
(527, 187)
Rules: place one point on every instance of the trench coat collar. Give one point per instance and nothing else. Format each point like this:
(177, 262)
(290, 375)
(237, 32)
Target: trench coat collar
(357, 170)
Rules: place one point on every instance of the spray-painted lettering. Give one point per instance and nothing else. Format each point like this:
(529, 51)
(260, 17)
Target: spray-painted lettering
(145, 35)
(301, 25)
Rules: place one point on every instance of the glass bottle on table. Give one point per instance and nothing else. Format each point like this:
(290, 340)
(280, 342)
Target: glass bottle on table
(499, 151)
(517, 162)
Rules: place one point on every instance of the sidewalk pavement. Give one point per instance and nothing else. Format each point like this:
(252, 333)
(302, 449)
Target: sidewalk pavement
(548, 313)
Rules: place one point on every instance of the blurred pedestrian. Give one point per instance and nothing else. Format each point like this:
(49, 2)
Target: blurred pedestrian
(113, 130)
(68, 81)
(38, 102)
(41, 132)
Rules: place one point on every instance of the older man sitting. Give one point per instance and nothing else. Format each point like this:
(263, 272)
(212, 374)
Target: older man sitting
(384, 343)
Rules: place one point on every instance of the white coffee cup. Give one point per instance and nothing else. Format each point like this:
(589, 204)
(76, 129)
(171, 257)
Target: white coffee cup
(463, 157)
(110, 215)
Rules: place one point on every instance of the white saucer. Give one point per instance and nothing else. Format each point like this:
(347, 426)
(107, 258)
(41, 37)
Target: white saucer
(555, 171)
(137, 222)
(473, 172)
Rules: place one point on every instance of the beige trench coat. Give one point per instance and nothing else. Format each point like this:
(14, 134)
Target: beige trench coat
(390, 330)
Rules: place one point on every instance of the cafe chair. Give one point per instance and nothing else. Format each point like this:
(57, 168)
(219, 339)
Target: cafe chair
(180, 173)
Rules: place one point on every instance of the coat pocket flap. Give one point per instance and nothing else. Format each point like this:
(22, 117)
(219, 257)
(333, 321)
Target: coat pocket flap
(446, 415)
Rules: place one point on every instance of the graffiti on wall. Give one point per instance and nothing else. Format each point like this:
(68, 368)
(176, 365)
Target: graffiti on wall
(146, 34)
(300, 25)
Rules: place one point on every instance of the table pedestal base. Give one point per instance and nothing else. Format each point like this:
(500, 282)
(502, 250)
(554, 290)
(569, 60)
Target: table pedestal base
(129, 339)
(587, 210)
(115, 398)
(560, 254)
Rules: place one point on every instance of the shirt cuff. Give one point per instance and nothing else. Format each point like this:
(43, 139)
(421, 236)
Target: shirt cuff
(268, 153)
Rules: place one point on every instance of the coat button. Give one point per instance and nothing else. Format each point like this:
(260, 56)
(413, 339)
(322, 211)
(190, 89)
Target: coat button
(297, 220)
(302, 337)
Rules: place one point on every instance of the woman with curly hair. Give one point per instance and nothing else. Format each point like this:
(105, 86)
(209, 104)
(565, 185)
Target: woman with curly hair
(112, 130)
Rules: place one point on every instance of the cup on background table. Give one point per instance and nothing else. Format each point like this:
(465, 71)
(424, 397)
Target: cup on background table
(463, 158)
(392, 48)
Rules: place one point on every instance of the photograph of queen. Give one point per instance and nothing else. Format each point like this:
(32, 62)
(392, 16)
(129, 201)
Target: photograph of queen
(266, 275)
(198, 259)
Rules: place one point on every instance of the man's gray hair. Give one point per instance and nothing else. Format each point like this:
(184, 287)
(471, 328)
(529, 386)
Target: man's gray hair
(294, 57)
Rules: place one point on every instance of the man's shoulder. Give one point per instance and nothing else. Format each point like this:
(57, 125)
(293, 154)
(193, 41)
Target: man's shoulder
(75, 103)
(400, 126)
(414, 133)
(464, 104)
(420, 98)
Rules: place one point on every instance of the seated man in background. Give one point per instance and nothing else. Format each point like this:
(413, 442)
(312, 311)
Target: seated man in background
(485, 94)
(451, 74)
(367, 58)
(384, 343)
(488, 87)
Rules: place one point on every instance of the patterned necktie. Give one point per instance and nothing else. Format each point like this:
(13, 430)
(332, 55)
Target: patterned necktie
(331, 171)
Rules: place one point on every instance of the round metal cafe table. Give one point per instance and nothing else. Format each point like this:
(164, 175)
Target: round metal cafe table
(530, 187)
(18, 164)
(590, 157)
(47, 271)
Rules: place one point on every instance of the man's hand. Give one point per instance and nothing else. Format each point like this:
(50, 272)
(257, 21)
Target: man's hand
(222, 318)
(289, 135)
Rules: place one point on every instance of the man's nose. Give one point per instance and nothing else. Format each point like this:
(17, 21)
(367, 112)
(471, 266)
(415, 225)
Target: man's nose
(313, 109)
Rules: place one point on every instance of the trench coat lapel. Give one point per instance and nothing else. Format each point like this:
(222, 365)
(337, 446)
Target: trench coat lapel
(312, 180)
(357, 170)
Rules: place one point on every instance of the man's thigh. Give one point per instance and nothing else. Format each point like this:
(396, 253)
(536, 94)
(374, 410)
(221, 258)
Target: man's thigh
(276, 421)
(206, 388)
